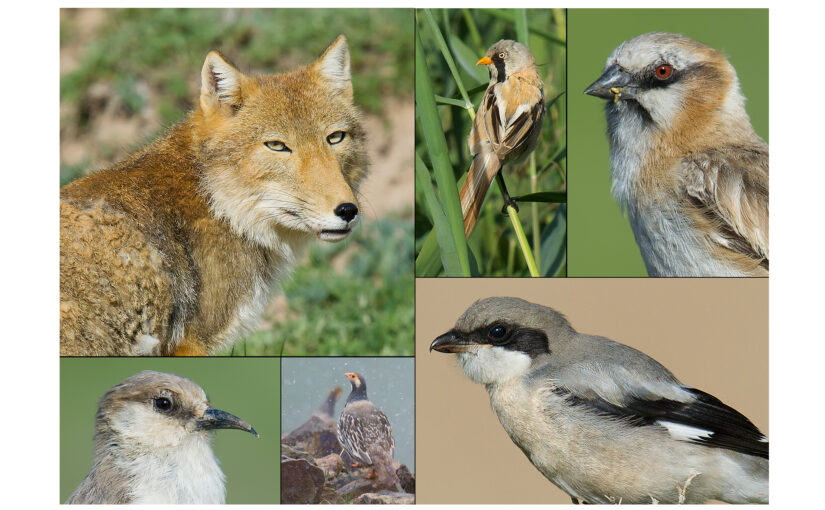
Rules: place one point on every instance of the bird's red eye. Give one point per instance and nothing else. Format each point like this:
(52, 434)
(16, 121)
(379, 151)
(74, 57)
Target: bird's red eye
(664, 71)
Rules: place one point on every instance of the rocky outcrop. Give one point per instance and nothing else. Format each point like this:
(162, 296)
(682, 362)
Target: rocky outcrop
(301, 482)
(312, 470)
(389, 498)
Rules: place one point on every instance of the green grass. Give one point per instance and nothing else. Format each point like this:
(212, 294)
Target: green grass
(447, 79)
(367, 308)
(165, 49)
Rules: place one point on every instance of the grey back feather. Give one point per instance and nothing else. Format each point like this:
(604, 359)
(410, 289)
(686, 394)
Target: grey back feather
(591, 367)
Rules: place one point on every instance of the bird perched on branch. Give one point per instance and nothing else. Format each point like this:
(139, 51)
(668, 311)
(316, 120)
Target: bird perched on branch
(601, 420)
(153, 435)
(507, 125)
(365, 433)
(686, 163)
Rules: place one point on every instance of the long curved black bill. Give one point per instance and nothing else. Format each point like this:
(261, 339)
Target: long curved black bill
(217, 419)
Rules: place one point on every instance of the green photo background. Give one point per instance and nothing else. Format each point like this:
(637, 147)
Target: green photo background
(246, 387)
(600, 240)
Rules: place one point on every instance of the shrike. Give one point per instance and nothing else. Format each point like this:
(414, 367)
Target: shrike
(153, 444)
(686, 163)
(601, 420)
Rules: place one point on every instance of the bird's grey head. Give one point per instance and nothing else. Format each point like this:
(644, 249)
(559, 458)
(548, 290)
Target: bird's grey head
(499, 338)
(666, 79)
(359, 387)
(156, 410)
(506, 57)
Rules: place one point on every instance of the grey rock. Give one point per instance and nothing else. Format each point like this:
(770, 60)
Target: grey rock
(301, 482)
(385, 498)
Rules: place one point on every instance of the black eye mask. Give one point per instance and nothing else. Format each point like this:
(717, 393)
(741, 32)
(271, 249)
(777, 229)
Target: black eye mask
(530, 341)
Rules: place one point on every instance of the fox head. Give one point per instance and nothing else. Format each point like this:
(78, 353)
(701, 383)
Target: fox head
(282, 154)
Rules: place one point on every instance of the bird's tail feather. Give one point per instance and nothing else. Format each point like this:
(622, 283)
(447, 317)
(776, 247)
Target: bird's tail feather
(482, 171)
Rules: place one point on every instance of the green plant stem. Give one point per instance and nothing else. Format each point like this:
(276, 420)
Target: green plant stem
(437, 148)
(448, 58)
(522, 32)
(506, 15)
(511, 255)
(522, 241)
(534, 209)
(450, 101)
(471, 26)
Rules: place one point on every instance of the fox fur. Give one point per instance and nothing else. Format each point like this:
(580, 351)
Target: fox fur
(174, 250)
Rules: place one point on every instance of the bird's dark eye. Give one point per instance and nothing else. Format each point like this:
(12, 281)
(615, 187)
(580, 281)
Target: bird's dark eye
(664, 71)
(163, 404)
(502, 55)
(336, 137)
(277, 146)
(497, 332)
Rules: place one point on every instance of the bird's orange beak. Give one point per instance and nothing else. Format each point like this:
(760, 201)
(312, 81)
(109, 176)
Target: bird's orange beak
(483, 61)
(350, 375)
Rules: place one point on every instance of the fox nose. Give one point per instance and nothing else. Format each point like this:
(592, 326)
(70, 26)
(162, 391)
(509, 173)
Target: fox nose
(346, 211)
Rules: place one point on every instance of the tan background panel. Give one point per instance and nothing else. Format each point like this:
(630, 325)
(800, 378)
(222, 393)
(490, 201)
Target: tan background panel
(711, 333)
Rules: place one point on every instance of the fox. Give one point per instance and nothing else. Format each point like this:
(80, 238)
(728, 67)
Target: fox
(175, 250)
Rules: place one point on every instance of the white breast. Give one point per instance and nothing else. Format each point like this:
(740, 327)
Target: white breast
(189, 474)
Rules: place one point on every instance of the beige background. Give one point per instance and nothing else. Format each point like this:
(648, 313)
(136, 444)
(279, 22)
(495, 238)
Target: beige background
(711, 333)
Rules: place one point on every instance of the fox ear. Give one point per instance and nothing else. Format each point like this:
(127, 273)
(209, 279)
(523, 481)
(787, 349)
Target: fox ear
(220, 84)
(333, 65)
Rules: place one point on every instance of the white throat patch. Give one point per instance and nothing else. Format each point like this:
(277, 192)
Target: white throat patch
(493, 365)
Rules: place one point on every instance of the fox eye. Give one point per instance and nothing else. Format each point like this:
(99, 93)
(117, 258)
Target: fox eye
(277, 146)
(336, 137)
(163, 404)
(664, 71)
(497, 332)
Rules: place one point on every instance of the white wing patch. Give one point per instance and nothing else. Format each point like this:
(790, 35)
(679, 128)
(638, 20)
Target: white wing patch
(682, 432)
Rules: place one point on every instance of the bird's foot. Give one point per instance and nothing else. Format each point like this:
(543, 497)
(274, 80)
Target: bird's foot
(372, 475)
(509, 201)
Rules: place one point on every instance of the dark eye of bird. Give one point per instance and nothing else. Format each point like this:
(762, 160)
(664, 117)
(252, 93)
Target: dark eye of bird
(497, 332)
(502, 55)
(336, 137)
(277, 146)
(664, 71)
(163, 404)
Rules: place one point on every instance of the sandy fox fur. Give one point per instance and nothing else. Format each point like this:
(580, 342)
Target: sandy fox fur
(174, 250)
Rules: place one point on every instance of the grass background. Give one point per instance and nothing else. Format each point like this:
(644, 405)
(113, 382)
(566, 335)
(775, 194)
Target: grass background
(249, 389)
(364, 310)
(128, 74)
(146, 63)
(600, 241)
(493, 242)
